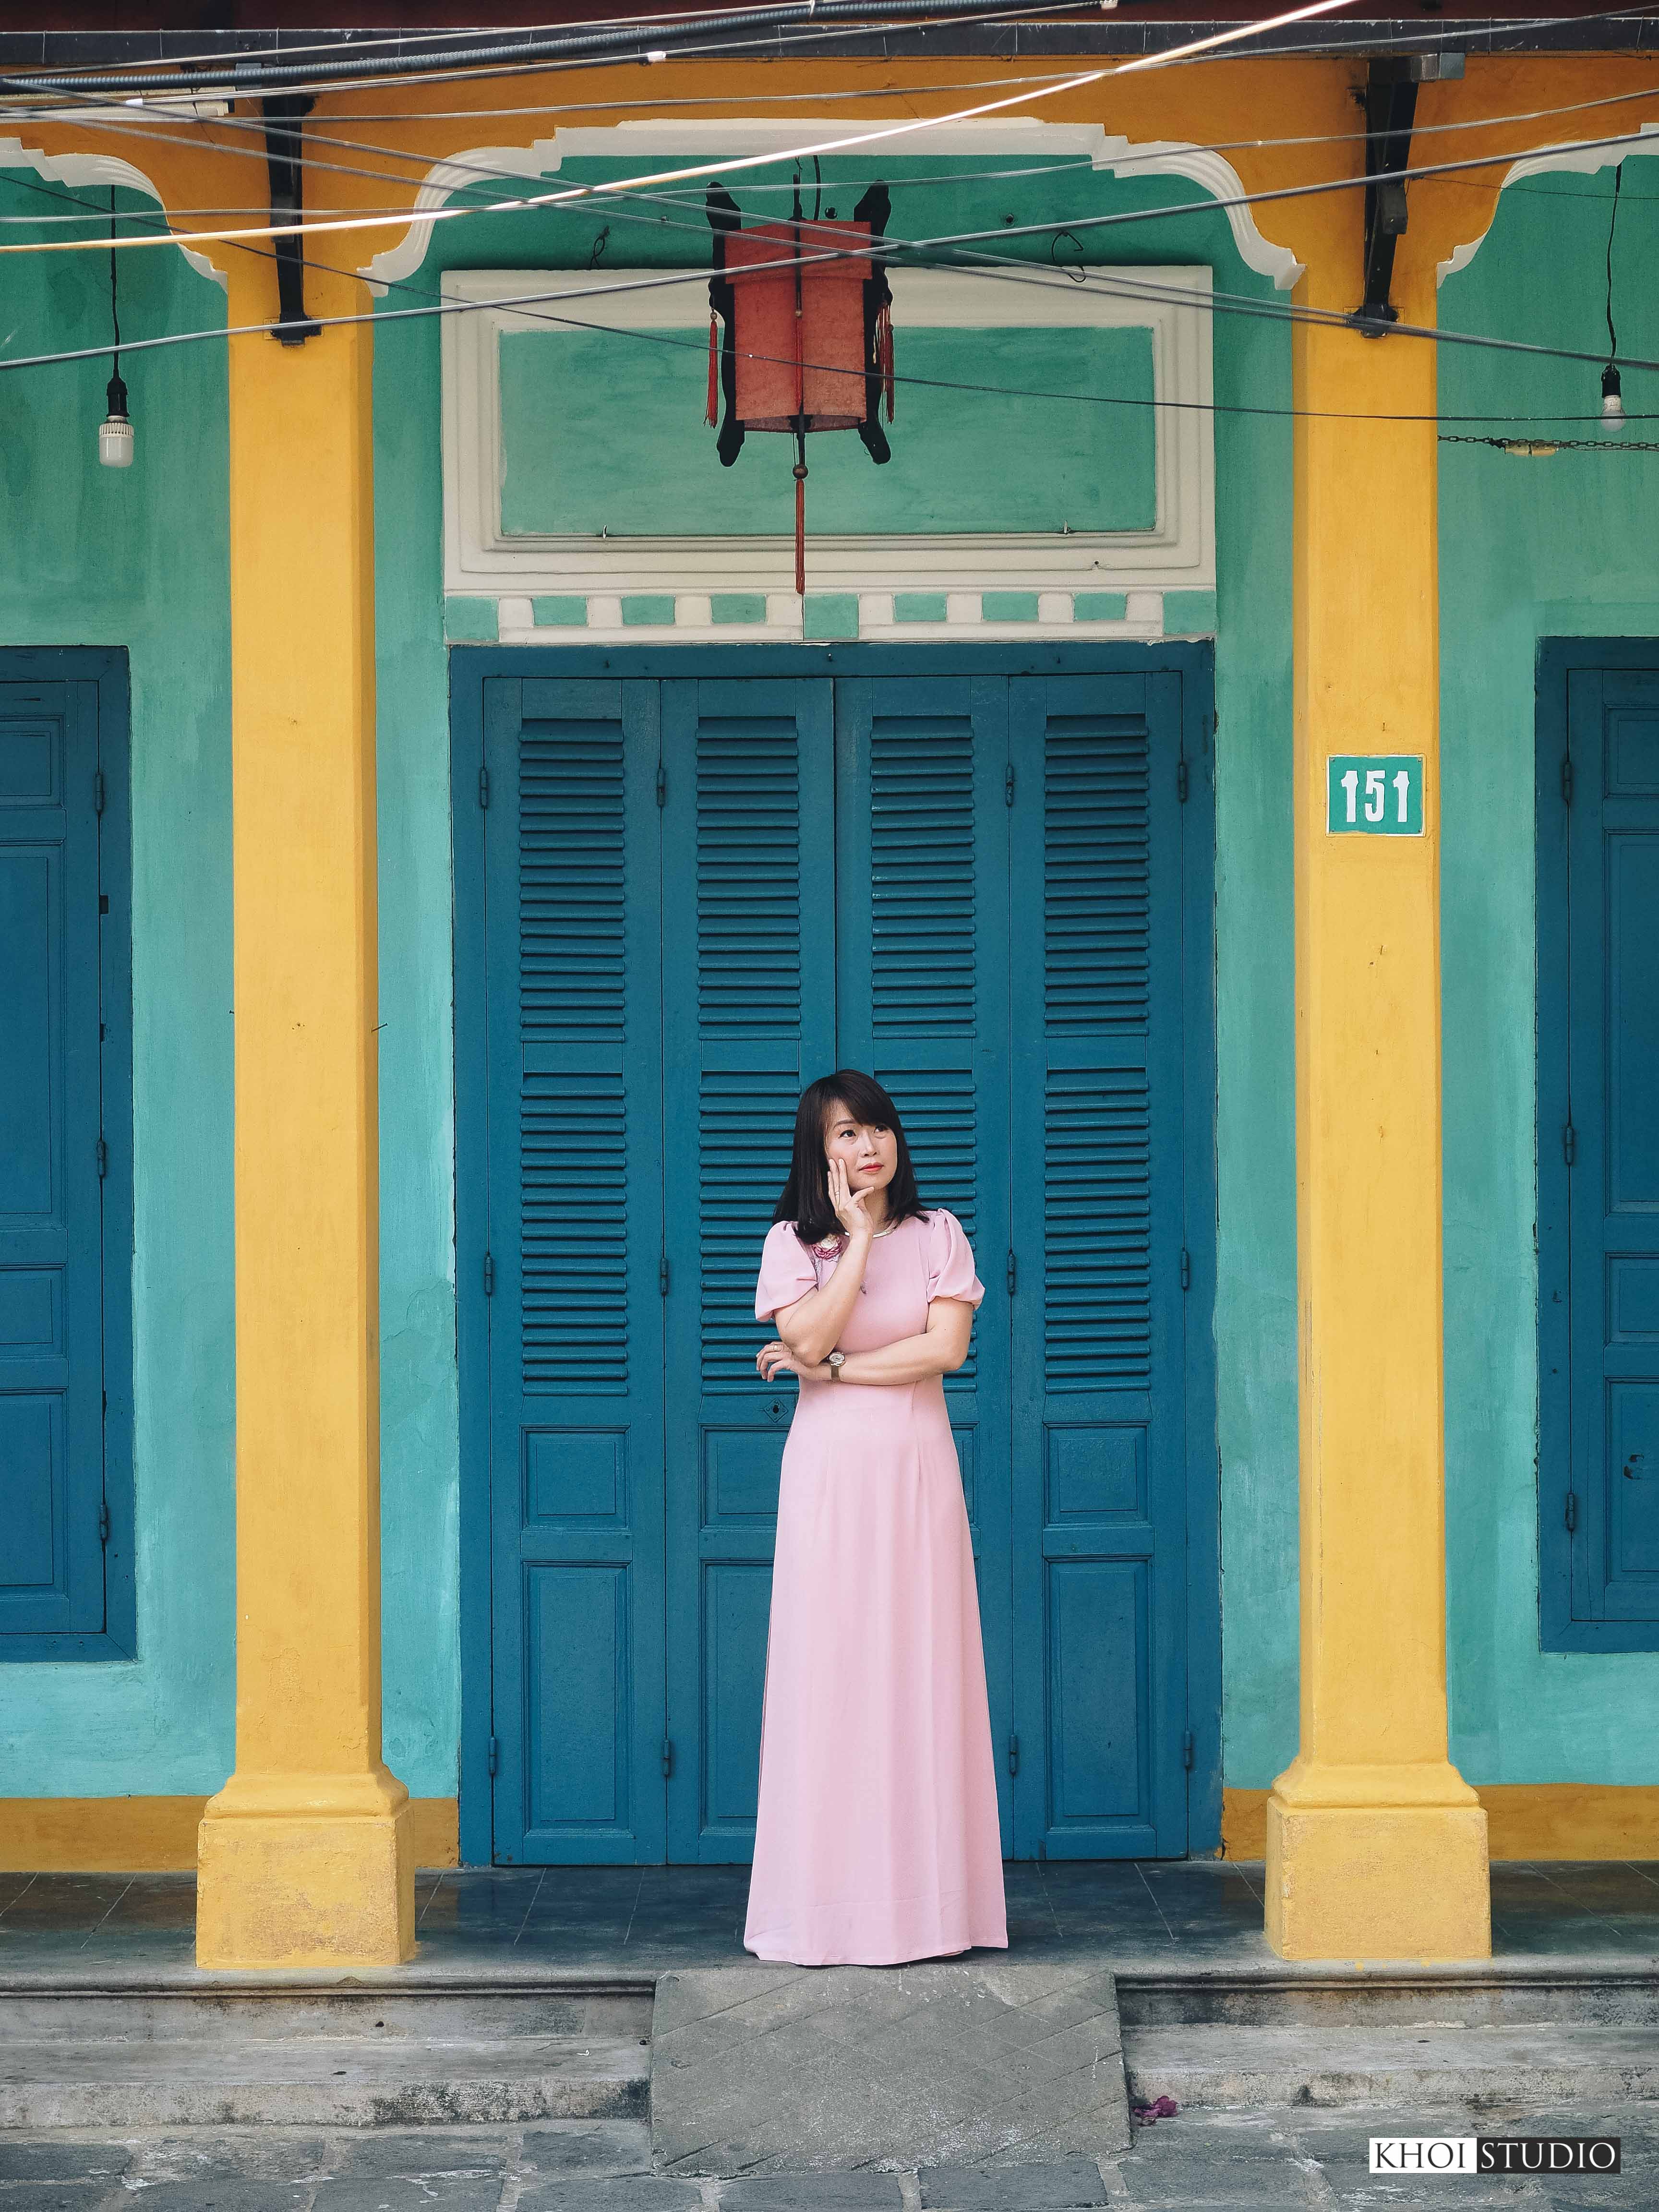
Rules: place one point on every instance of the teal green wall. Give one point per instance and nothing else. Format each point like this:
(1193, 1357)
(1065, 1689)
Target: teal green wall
(142, 560)
(138, 558)
(420, 1416)
(1255, 1311)
(1036, 465)
(1528, 548)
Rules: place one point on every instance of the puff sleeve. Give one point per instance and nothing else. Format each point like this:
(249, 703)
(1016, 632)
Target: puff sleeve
(950, 1261)
(787, 1272)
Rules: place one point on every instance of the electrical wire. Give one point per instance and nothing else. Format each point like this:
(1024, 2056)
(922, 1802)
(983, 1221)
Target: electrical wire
(524, 303)
(255, 56)
(1612, 225)
(570, 196)
(522, 57)
(119, 128)
(1233, 303)
(770, 48)
(114, 298)
(255, 76)
(1310, 8)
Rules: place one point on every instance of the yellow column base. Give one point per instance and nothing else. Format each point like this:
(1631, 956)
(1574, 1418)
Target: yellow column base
(306, 1870)
(1374, 1862)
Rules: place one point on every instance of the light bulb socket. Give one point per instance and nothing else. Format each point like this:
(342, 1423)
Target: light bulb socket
(115, 438)
(1613, 404)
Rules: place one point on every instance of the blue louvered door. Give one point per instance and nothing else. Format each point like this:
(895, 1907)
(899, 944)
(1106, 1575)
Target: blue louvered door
(1613, 1109)
(1098, 1463)
(749, 997)
(698, 895)
(922, 827)
(52, 1314)
(572, 890)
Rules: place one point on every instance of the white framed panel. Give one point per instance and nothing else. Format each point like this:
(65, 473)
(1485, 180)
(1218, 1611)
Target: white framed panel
(1176, 553)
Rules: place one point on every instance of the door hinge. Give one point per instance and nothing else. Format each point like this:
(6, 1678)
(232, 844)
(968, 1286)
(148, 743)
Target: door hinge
(1566, 778)
(1013, 1754)
(103, 1158)
(490, 1275)
(662, 1274)
(1569, 1143)
(662, 785)
(1008, 786)
(1013, 1271)
(483, 786)
(98, 790)
(668, 1754)
(1186, 1269)
(495, 1754)
(1181, 781)
(1186, 1751)
(1571, 1515)
(103, 1522)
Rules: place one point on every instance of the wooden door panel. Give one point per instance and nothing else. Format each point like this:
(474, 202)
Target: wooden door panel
(747, 952)
(572, 868)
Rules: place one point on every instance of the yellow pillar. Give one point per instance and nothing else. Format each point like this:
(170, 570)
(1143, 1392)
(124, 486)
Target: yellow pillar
(1376, 1847)
(305, 1855)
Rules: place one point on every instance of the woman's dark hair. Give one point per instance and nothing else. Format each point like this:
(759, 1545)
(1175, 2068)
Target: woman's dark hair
(806, 1199)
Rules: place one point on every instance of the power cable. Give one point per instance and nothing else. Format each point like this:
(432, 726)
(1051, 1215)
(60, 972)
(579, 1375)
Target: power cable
(252, 77)
(522, 303)
(571, 196)
(1310, 8)
(254, 70)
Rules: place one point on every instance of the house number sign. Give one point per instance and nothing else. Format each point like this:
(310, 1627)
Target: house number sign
(1374, 795)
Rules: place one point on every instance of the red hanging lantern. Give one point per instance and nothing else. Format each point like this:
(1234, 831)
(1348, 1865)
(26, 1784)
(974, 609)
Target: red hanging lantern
(808, 344)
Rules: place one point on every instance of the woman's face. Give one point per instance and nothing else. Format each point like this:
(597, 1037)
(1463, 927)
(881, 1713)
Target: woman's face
(866, 1151)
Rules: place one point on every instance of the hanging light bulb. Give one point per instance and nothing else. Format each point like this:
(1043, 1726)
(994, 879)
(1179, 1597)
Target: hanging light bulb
(1613, 398)
(115, 431)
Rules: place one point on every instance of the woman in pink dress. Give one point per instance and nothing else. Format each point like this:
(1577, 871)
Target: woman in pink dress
(877, 1839)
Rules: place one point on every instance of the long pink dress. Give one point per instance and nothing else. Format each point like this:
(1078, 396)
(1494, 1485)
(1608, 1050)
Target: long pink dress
(877, 1839)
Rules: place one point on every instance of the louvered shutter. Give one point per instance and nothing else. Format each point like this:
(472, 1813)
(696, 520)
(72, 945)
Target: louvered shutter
(748, 922)
(574, 1052)
(922, 954)
(52, 1363)
(1613, 1183)
(1098, 1429)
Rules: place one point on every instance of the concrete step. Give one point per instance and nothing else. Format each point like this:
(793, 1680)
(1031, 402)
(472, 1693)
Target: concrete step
(1434, 2061)
(330, 2057)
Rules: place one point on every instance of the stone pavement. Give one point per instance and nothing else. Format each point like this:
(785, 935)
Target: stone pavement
(1009, 2060)
(1264, 2161)
(1144, 1914)
(1577, 1941)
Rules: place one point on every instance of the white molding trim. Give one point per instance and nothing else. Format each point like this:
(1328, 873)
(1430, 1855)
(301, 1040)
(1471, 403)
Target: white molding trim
(477, 166)
(1177, 553)
(1142, 617)
(1585, 160)
(702, 137)
(1218, 176)
(99, 169)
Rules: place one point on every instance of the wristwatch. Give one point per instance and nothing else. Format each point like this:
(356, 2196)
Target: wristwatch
(835, 1363)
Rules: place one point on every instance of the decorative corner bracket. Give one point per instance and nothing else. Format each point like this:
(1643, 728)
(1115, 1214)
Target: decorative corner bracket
(1389, 101)
(284, 130)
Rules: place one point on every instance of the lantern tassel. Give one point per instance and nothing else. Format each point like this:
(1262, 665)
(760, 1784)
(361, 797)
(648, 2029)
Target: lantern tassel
(710, 415)
(884, 355)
